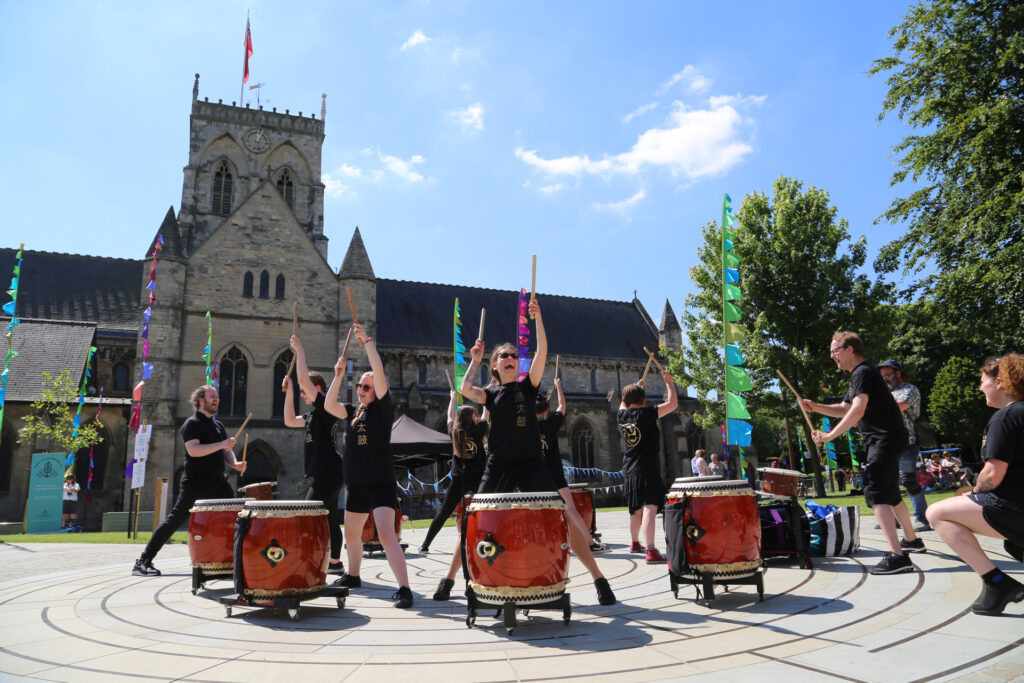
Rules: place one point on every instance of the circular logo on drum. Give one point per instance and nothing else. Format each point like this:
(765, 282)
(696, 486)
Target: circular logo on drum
(274, 553)
(630, 434)
(489, 548)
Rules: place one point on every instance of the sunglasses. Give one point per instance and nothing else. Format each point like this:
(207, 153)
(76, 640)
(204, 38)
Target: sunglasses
(364, 387)
(508, 354)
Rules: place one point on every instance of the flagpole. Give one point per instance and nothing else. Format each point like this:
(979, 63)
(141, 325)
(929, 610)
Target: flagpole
(245, 60)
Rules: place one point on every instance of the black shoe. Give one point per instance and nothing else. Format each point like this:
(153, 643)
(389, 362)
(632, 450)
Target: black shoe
(424, 550)
(336, 568)
(348, 581)
(915, 546)
(604, 592)
(144, 567)
(402, 598)
(893, 564)
(444, 590)
(995, 596)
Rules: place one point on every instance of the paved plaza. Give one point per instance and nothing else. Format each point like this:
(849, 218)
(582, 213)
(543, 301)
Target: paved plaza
(74, 613)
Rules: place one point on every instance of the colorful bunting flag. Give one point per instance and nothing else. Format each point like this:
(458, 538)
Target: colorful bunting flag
(524, 337)
(70, 461)
(147, 368)
(209, 345)
(736, 431)
(459, 367)
(9, 309)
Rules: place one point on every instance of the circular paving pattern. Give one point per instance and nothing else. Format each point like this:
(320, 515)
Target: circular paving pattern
(833, 621)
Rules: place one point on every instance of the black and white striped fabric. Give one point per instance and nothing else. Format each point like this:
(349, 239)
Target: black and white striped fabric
(837, 534)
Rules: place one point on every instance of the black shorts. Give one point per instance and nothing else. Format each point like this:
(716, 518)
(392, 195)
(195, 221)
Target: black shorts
(641, 490)
(557, 473)
(364, 498)
(70, 507)
(881, 474)
(1005, 518)
(526, 476)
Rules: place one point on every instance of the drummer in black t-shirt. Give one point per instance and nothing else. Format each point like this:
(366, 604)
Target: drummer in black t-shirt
(320, 456)
(207, 451)
(369, 467)
(869, 404)
(995, 507)
(514, 458)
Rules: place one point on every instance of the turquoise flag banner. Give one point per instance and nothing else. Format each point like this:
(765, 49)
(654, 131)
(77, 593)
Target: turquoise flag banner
(737, 431)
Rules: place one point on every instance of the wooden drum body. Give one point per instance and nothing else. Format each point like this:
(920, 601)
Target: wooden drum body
(264, 490)
(714, 528)
(517, 547)
(211, 533)
(281, 548)
(780, 482)
(370, 527)
(460, 509)
(583, 499)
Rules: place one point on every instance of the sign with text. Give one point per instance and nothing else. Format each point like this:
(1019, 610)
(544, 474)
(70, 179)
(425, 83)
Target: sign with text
(142, 442)
(45, 493)
(139, 474)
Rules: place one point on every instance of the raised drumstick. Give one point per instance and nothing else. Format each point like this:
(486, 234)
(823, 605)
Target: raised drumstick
(295, 319)
(556, 365)
(648, 368)
(533, 282)
(448, 375)
(352, 307)
(799, 401)
(348, 340)
(651, 355)
(240, 429)
(245, 447)
(483, 314)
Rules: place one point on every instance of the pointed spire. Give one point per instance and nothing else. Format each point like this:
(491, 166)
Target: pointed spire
(670, 334)
(172, 240)
(669, 321)
(357, 261)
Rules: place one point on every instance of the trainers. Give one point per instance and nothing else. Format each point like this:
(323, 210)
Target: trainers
(995, 596)
(915, 546)
(144, 567)
(922, 526)
(893, 564)
(348, 581)
(402, 598)
(654, 557)
(636, 547)
(604, 592)
(444, 590)
(336, 568)
(424, 550)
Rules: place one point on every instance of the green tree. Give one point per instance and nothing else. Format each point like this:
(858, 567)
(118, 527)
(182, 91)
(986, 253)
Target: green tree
(956, 73)
(956, 408)
(54, 414)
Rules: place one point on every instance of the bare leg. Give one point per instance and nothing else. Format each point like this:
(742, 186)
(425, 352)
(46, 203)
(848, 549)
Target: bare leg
(957, 520)
(634, 526)
(887, 521)
(579, 535)
(384, 517)
(650, 514)
(354, 522)
(456, 565)
(903, 515)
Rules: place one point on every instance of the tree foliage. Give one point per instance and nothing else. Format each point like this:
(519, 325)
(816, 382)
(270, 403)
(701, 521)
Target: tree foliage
(53, 416)
(956, 73)
(956, 408)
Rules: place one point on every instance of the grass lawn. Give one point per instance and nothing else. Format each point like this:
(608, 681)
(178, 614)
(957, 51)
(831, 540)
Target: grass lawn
(858, 500)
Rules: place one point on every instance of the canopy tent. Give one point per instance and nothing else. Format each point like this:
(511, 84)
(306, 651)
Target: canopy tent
(414, 445)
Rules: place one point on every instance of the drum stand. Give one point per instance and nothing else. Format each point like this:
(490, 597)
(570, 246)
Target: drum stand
(707, 581)
(199, 578)
(507, 609)
(288, 602)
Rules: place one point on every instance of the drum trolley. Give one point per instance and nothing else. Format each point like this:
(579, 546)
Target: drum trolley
(286, 602)
(707, 581)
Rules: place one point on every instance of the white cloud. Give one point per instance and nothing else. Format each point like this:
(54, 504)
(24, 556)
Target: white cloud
(623, 205)
(350, 171)
(639, 111)
(694, 81)
(552, 188)
(472, 117)
(402, 168)
(335, 188)
(416, 39)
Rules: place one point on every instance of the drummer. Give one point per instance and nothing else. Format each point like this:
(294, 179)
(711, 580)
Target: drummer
(641, 439)
(321, 459)
(515, 459)
(369, 468)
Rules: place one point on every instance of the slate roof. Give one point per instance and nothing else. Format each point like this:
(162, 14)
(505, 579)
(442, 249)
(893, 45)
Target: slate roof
(94, 289)
(418, 314)
(46, 346)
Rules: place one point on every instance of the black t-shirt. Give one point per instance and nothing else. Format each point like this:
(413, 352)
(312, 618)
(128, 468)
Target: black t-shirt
(640, 440)
(882, 423)
(548, 428)
(1004, 440)
(320, 454)
(207, 430)
(476, 456)
(514, 436)
(368, 458)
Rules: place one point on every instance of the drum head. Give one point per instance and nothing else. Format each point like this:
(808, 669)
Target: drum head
(579, 486)
(507, 501)
(283, 505)
(710, 485)
(259, 485)
(784, 473)
(219, 504)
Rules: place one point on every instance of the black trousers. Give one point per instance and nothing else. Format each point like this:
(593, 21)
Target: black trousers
(326, 488)
(189, 492)
(461, 485)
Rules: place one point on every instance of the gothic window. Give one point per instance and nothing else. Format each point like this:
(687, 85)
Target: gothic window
(593, 380)
(121, 377)
(247, 284)
(261, 465)
(7, 438)
(100, 451)
(279, 287)
(234, 373)
(222, 190)
(280, 368)
(286, 186)
(264, 285)
(421, 378)
(581, 440)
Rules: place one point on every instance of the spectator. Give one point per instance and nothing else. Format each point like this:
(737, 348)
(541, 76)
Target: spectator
(70, 508)
(925, 479)
(968, 478)
(840, 480)
(700, 465)
(717, 466)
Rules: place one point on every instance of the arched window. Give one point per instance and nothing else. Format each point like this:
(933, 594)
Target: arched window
(280, 368)
(279, 286)
(261, 464)
(286, 187)
(121, 377)
(581, 440)
(100, 451)
(247, 284)
(234, 373)
(7, 438)
(593, 380)
(222, 190)
(264, 285)
(421, 376)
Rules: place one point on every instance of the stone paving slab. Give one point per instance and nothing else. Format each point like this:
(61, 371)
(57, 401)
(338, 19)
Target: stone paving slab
(71, 612)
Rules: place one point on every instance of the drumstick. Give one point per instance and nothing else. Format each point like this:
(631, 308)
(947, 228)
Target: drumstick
(533, 283)
(291, 366)
(799, 401)
(245, 447)
(239, 432)
(352, 306)
(556, 365)
(660, 367)
(448, 375)
(295, 319)
(647, 369)
(483, 314)
(348, 340)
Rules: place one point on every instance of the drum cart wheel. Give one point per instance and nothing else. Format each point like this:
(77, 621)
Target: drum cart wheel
(293, 614)
(506, 611)
(227, 611)
(288, 603)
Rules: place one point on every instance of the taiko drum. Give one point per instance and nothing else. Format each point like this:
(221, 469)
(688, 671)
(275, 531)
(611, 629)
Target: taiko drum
(719, 529)
(460, 509)
(211, 533)
(370, 527)
(583, 499)
(780, 482)
(281, 548)
(517, 547)
(263, 490)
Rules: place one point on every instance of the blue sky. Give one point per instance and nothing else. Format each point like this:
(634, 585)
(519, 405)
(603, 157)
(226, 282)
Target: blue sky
(462, 137)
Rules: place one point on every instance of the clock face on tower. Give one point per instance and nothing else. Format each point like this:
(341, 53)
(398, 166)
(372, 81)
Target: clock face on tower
(257, 140)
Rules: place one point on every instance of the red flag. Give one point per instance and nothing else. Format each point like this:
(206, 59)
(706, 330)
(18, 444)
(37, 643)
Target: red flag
(248, 51)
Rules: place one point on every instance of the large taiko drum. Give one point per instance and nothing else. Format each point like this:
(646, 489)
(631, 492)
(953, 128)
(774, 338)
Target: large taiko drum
(460, 509)
(281, 548)
(583, 499)
(712, 527)
(517, 547)
(263, 490)
(780, 482)
(211, 533)
(370, 527)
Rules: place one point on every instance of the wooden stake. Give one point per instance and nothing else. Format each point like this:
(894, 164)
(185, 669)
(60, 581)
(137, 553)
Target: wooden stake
(651, 355)
(352, 307)
(533, 283)
(245, 447)
(648, 368)
(483, 315)
(451, 385)
(239, 432)
(799, 401)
